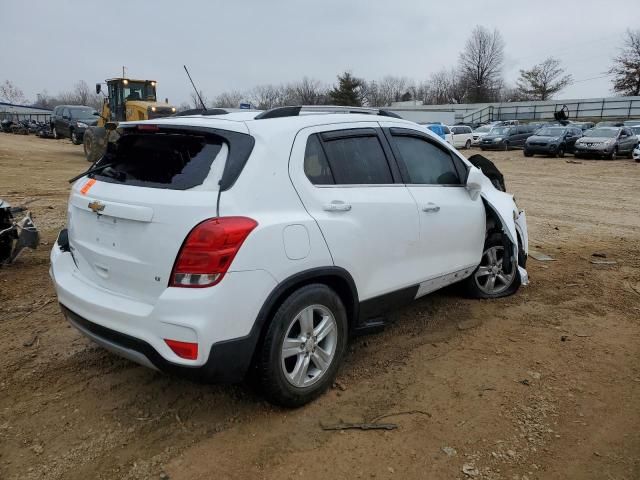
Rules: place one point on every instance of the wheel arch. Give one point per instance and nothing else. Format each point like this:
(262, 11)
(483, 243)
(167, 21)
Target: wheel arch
(336, 278)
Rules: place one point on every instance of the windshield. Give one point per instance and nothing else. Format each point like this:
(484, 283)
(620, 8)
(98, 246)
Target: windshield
(81, 112)
(483, 129)
(550, 132)
(601, 132)
(139, 91)
(500, 131)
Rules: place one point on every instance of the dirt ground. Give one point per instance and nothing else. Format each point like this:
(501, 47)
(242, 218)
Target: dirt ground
(541, 385)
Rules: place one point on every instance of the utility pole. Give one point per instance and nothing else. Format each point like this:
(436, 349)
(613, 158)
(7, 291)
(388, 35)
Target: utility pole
(123, 71)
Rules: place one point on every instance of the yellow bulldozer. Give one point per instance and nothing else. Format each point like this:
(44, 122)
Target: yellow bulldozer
(127, 100)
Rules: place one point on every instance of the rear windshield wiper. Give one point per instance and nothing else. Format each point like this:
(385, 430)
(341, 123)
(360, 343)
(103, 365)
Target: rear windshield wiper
(97, 169)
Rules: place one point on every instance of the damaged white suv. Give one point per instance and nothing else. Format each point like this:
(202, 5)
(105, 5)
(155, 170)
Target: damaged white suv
(206, 245)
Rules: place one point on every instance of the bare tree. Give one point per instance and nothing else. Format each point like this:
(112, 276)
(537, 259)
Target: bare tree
(392, 88)
(11, 93)
(264, 97)
(481, 64)
(230, 99)
(445, 86)
(82, 92)
(626, 66)
(309, 92)
(542, 81)
(195, 100)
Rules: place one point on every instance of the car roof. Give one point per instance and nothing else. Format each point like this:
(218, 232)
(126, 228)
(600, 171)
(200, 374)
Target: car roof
(245, 121)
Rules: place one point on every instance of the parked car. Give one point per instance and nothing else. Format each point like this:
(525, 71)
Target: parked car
(441, 130)
(553, 141)
(583, 125)
(636, 154)
(71, 121)
(635, 129)
(202, 244)
(606, 142)
(480, 132)
(631, 123)
(504, 138)
(609, 124)
(461, 136)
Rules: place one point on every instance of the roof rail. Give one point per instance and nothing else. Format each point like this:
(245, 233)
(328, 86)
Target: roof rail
(199, 111)
(296, 111)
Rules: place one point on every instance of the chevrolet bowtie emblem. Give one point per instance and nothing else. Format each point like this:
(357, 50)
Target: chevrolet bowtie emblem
(96, 206)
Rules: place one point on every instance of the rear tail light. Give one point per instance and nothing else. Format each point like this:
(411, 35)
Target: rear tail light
(186, 350)
(208, 251)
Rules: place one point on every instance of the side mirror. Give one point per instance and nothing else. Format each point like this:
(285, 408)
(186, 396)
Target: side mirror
(474, 182)
(98, 88)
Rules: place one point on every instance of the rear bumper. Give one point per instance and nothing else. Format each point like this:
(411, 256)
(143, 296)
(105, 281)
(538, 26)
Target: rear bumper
(220, 320)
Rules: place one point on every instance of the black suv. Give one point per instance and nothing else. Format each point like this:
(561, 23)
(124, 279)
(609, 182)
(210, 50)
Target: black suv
(71, 121)
(504, 138)
(552, 140)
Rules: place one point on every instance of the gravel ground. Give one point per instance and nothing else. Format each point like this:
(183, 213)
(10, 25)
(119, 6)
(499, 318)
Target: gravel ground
(541, 385)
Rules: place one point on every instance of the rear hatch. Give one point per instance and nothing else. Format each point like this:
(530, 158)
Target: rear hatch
(128, 222)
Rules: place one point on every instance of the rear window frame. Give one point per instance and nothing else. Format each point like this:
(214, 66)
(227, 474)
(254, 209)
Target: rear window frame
(240, 146)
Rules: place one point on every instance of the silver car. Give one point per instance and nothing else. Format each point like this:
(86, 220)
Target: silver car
(606, 142)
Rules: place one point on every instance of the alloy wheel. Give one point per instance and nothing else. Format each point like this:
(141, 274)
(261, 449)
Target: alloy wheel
(309, 346)
(490, 276)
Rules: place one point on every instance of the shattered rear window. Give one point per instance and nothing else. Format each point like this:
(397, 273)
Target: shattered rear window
(161, 160)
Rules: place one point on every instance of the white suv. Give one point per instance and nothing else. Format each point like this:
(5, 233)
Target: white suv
(205, 245)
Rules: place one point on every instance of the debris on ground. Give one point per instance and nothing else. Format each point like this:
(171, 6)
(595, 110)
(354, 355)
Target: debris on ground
(599, 254)
(470, 470)
(573, 161)
(541, 257)
(451, 452)
(603, 262)
(361, 426)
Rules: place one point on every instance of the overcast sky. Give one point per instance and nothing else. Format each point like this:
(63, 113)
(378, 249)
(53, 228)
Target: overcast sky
(239, 44)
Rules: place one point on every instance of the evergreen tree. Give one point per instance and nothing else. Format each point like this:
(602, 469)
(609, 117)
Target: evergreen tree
(348, 91)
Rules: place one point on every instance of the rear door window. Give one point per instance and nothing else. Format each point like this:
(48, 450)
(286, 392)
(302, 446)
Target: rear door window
(355, 160)
(176, 161)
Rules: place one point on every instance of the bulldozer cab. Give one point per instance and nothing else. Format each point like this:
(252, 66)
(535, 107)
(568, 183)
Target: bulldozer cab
(123, 90)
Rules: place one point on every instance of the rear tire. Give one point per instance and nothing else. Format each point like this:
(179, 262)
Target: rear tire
(506, 146)
(489, 280)
(614, 154)
(304, 346)
(560, 152)
(54, 132)
(467, 145)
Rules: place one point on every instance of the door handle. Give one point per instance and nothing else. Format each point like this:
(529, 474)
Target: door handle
(337, 206)
(431, 208)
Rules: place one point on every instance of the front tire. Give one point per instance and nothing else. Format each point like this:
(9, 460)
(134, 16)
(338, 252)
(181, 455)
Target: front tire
(560, 152)
(74, 138)
(54, 132)
(528, 154)
(304, 346)
(490, 279)
(467, 145)
(614, 154)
